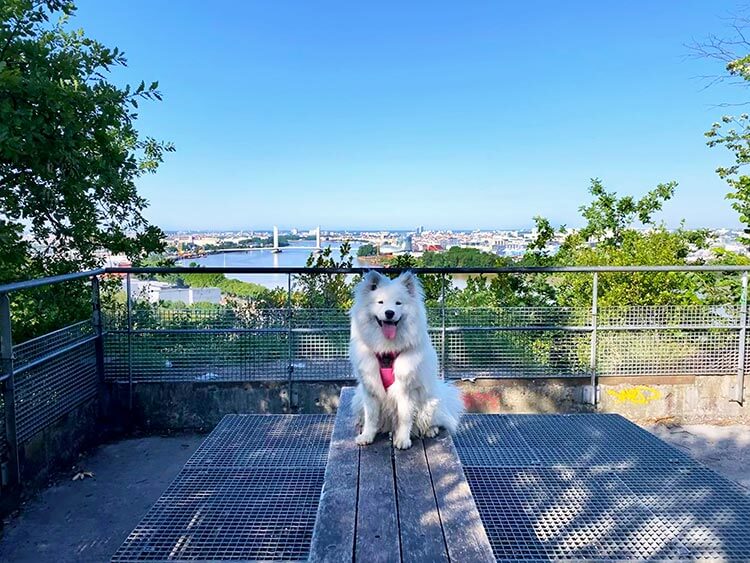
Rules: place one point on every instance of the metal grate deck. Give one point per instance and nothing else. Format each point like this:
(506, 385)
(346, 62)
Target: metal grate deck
(597, 488)
(249, 493)
(266, 440)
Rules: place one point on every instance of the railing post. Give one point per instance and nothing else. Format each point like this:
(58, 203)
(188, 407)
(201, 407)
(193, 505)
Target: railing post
(739, 392)
(128, 298)
(96, 320)
(290, 347)
(9, 393)
(592, 358)
(444, 351)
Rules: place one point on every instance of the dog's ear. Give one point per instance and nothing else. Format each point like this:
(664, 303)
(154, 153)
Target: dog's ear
(411, 283)
(372, 280)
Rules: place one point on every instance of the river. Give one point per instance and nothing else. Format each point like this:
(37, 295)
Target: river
(288, 258)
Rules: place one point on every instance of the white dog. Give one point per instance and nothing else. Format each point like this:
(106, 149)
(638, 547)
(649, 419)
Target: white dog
(396, 365)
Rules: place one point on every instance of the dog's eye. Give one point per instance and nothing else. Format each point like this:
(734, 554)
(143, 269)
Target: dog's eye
(380, 302)
(398, 302)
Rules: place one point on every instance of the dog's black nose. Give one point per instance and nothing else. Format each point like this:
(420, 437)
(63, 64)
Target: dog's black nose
(389, 314)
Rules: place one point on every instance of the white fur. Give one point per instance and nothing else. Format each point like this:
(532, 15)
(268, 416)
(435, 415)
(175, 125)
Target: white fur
(418, 402)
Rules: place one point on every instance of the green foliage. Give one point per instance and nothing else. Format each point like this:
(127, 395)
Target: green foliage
(457, 257)
(732, 132)
(367, 250)
(736, 140)
(545, 232)
(69, 155)
(325, 290)
(608, 217)
(432, 284)
(231, 287)
(657, 247)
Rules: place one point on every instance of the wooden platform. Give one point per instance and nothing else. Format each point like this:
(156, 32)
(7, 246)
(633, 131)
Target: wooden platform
(383, 504)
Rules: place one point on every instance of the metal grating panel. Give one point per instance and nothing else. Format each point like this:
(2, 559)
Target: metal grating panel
(196, 356)
(516, 317)
(597, 487)
(42, 346)
(321, 355)
(561, 440)
(684, 352)
(709, 515)
(499, 354)
(53, 388)
(683, 316)
(266, 440)
(4, 451)
(247, 342)
(249, 493)
(260, 513)
(321, 319)
(569, 515)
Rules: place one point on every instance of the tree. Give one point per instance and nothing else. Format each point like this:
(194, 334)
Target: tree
(69, 150)
(608, 217)
(325, 290)
(732, 132)
(610, 222)
(367, 250)
(457, 257)
(69, 158)
(545, 233)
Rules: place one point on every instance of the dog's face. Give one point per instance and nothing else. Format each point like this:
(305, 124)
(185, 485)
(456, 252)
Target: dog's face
(388, 313)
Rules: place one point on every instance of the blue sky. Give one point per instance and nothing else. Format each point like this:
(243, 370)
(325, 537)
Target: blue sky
(395, 114)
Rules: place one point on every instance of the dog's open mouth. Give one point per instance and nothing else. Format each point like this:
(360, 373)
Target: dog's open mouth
(388, 328)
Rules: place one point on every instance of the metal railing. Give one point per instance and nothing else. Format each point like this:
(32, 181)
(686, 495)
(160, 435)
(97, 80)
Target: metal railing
(44, 378)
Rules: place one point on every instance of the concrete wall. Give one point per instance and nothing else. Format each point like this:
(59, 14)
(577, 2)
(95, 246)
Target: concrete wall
(199, 406)
(686, 399)
(57, 446)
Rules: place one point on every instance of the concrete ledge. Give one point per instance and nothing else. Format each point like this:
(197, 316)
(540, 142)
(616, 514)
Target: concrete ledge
(689, 399)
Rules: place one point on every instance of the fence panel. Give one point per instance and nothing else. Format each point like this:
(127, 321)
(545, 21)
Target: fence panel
(53, 374)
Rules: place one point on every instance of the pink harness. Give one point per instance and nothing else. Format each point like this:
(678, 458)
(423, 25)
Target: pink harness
(386, 368)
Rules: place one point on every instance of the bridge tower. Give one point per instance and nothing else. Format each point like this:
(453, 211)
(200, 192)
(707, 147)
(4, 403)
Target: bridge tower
(275, 248)
(318, 247)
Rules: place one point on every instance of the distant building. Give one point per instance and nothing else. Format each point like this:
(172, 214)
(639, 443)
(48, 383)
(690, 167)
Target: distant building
(403, 245)
(190, 295)
(154, 291)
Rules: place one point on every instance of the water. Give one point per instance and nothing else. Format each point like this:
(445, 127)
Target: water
(288, 258)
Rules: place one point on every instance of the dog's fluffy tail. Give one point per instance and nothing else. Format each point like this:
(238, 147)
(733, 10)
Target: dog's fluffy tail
(450, 406)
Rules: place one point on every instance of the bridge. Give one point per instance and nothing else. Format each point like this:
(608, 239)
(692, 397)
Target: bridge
(276, 248)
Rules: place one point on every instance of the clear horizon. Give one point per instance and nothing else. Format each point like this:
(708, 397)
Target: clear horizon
(352, 116)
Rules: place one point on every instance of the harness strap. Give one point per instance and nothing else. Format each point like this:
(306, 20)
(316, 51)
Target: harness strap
(386, 360)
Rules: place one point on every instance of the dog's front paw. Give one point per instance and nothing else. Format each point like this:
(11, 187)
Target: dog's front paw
(431, 432)
(402, 442)
(364, 439)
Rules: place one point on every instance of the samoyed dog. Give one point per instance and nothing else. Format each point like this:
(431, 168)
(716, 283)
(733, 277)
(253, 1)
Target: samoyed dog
(399, 390)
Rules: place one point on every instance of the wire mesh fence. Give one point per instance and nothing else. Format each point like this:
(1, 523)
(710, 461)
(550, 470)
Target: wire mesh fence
(188, 344)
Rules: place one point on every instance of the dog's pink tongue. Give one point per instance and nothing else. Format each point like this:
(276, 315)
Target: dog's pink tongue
(389, 331)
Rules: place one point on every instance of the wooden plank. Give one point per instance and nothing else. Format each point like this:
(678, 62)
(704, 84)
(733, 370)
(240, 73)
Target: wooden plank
(464, 532)
(333, 535)
(419, 521)
(377, 517)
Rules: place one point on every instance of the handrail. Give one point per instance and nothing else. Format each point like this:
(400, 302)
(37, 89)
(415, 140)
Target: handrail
(39, 282)
(447, 270)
